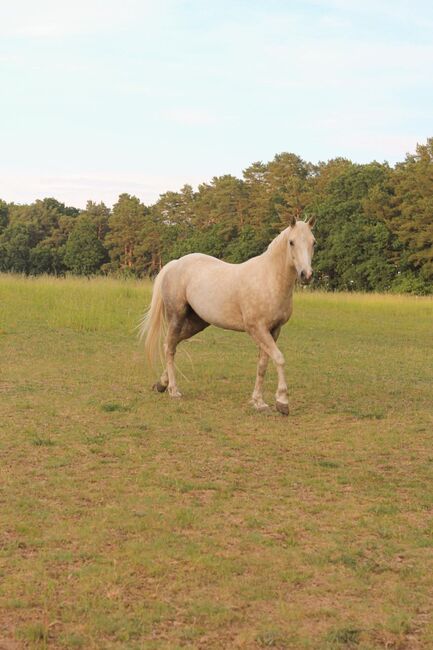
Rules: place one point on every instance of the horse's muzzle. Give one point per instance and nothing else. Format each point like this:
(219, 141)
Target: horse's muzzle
(305, 278)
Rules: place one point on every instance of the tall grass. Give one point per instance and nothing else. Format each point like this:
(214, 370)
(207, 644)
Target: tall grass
(103, 303)
(81, 304)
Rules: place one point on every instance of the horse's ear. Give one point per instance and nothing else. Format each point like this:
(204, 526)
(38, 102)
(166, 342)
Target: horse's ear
(311, 221)
(292, 220)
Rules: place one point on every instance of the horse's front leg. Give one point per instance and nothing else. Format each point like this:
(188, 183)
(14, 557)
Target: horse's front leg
(267, 344)
(257, 397)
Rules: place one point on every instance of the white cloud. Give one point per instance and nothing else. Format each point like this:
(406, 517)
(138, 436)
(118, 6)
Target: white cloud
(346, 136)
(76, 190)
(54, 18)
(395, 146)
(331, 62)
(179, 86)
(410, 13)
(190, 116)
(195, 116)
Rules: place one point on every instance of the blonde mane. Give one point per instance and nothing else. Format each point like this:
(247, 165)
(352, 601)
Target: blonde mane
(278, 241)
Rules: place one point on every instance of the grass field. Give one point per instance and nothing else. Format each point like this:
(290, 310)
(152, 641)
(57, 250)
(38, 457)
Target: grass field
(131, 521)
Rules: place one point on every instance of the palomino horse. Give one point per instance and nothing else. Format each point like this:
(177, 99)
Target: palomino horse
(197, 290)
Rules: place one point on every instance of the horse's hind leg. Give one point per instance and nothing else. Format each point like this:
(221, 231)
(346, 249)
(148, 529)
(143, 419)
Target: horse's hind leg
(171, 341)
(161, 385)
(192, 325)
(172, 338)
(185, 328)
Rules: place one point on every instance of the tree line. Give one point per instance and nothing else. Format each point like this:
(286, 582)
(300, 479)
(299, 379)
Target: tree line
(374, 224)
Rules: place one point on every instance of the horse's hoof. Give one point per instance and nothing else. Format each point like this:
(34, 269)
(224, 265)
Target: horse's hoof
(175, 393)
(159, 387)
(259, 406)
(282, 408)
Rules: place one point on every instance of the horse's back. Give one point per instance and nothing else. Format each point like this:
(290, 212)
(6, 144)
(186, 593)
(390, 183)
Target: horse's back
(198, 265)
(200, 259)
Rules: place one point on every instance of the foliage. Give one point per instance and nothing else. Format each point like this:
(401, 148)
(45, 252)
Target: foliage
(374, 227)
(4, 210)
(405, 204)
(354, 251)
(124, 236)
(15, 246)
(84, 252)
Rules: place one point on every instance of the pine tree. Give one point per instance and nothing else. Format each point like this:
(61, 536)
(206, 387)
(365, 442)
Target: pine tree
(126, 223)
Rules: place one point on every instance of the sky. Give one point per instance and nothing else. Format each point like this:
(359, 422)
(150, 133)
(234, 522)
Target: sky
(100, 97)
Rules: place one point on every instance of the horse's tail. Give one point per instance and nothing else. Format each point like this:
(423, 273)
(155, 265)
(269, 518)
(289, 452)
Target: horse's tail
(152, 324)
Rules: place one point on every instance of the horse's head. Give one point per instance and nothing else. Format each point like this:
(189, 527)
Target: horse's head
(301, 248)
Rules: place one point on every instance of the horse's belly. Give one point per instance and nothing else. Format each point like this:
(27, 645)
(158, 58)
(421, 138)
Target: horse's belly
(215, 307)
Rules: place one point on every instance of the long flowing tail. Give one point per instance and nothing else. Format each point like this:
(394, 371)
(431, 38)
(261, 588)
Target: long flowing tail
(152, 324)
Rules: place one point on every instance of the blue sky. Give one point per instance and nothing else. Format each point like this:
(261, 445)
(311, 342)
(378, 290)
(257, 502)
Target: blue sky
(142, 96)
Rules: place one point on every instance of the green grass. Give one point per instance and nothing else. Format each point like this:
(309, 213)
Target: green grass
(128, 520)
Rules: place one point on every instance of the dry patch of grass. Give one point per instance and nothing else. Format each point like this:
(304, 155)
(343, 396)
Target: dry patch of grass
(132, 521)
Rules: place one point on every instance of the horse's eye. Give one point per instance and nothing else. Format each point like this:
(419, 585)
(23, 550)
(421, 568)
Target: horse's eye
(292, 243)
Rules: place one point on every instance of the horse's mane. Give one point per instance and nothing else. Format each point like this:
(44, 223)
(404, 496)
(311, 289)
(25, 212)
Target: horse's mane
(278, 241)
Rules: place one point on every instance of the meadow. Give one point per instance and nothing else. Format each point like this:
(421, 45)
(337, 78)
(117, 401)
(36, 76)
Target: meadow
(129, 520)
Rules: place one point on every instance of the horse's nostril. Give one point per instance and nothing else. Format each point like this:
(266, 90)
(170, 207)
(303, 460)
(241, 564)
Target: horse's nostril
(302, 275)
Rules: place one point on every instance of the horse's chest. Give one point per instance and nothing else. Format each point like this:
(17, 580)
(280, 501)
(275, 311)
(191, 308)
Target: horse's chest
(282, 312)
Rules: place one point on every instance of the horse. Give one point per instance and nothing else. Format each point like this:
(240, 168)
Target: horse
(197, 290)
